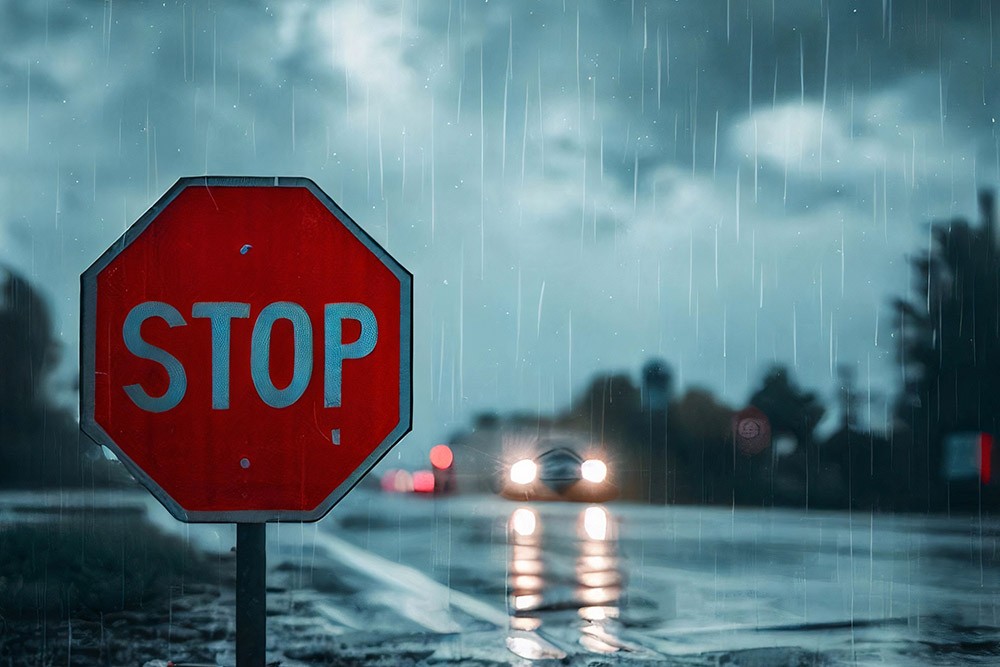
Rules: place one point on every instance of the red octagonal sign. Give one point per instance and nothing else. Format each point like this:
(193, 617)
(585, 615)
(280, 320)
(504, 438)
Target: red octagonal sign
(246, 350)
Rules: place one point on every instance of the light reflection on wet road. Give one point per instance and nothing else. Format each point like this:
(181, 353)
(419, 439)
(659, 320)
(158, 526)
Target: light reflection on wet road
(545, 586)
(644, 581)
(479, 578)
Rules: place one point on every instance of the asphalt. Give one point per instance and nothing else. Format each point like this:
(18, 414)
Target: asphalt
(391, 579)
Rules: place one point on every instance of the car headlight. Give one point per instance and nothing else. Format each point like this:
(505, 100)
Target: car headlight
(594, 470)
(523, 472)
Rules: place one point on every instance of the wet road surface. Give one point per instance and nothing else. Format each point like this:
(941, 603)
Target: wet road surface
(390, 579)
(646, 583)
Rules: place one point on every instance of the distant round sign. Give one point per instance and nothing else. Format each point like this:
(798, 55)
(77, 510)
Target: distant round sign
(751, 431)
(246, 350)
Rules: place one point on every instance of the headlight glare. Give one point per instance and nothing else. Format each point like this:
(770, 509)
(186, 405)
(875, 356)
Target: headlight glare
(523, 472)
(594, 470)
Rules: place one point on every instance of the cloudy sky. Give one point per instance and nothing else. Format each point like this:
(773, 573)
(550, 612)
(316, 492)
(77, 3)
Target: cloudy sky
(576, 186)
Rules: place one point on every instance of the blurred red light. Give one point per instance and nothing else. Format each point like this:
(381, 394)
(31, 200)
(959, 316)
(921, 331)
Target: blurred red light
(423, 481)
(397, 481)
(389, 480)
(441, 457)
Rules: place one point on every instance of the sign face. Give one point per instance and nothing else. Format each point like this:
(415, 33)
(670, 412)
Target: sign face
(751, 431)
(246, 350)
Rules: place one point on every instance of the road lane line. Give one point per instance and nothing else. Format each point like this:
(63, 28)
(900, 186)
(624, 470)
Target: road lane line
(414, 582)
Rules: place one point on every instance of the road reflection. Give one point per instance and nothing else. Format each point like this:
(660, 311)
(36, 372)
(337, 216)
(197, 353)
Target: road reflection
(565, 577)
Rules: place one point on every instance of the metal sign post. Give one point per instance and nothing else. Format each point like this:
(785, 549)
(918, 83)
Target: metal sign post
(251, 594)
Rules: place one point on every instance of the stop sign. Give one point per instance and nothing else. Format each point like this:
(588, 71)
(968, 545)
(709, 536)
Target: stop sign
(246, 350)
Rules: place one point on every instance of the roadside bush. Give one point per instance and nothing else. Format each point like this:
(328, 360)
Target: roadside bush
(88, 567)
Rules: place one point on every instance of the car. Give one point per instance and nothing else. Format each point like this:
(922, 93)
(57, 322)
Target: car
(567, 468)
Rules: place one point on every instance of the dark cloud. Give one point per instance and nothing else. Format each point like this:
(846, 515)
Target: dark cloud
(535, 164)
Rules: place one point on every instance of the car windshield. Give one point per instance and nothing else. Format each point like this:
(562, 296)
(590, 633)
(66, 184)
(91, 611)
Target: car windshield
(485, 332)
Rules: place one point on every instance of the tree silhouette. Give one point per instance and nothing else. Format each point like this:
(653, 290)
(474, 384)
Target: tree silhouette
(863, 457)
(27, 350)
(949, 348)
(699, 430)
(790, 410)
(806, 476)
(39, 442)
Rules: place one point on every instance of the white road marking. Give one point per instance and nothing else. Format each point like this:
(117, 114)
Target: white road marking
(436, 599)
